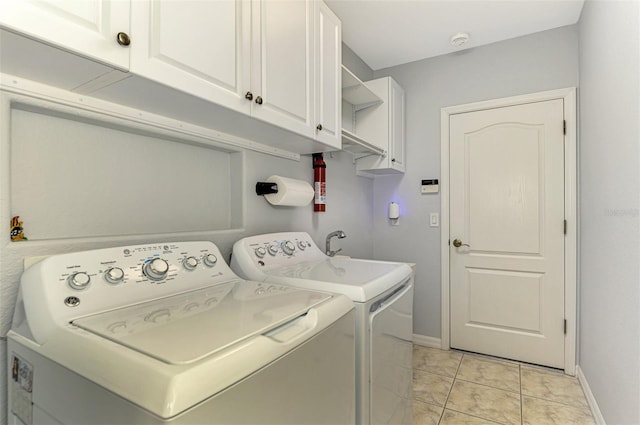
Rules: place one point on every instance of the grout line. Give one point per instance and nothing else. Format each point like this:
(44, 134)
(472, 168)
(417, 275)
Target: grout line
(455, 376)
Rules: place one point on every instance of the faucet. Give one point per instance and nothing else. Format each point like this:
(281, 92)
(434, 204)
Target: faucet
(341, 235)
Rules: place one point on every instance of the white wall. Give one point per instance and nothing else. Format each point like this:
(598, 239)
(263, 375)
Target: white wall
(538, 62)
(609, 341)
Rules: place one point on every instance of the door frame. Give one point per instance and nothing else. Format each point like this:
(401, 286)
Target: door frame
(570, 207)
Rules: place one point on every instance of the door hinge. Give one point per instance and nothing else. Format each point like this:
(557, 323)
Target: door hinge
(565, 326)
(565, 227)
(564, 126)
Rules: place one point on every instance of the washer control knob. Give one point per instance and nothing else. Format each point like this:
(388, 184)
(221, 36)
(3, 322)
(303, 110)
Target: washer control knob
(190, 263)
(79, 280)
(260, 252)
(273, 249)
(288, 247)
(156, 269)
(114, 275)
(210, 260)
(302, 245)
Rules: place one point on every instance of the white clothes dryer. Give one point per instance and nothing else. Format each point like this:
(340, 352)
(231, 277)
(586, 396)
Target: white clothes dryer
(382, 293)
(167, 333)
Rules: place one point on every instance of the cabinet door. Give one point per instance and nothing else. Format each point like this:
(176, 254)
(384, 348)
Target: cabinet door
(199, 47)
(396, 130)
(328, 47)
(282, 64)
(87, 27)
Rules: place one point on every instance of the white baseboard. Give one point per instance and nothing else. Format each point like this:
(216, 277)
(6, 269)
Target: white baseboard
(427, 341)
(595, 410)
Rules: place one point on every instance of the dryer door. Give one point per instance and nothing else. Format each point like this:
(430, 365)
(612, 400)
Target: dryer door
(391, 327)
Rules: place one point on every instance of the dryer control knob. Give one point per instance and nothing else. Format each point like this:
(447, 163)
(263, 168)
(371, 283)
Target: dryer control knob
(288, 247)
(260, 252)
(114, 275)
(210, 260)
(156, 269)
(190, 263)
(79, 280)
(273, 249)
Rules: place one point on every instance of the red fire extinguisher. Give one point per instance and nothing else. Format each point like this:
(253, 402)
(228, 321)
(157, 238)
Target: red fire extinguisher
(319, 183)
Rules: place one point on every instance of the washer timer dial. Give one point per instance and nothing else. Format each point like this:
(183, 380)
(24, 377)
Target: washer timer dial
(156, 269)
(288, 247)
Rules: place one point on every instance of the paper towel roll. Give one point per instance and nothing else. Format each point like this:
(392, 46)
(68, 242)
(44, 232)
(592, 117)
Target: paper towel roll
(291, 192)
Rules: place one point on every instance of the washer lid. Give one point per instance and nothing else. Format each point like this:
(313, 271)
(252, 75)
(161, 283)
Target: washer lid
(360, 280)
(185, 328)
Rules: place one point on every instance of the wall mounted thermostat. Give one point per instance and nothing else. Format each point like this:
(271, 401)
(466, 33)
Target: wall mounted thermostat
(429, 186)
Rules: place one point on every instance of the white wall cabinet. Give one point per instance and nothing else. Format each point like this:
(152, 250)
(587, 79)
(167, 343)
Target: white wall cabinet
(384, 127)
(89, 27)
(328, 72)
(199, 47)
(259, 58)
(277, 61)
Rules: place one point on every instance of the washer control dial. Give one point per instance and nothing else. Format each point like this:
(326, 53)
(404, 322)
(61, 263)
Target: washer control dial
(288, 247)
(260, 252)
(302, 245)
(210, 260)
(79, 280)
(190, 263)
(273, 249)
(114, 275)
(156, 269)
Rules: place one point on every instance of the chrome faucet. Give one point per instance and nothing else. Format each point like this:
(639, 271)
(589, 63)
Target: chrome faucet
(341, 235)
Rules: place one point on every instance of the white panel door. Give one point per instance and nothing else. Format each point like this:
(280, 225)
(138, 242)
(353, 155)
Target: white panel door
(282, 64)
(507, 211)
(199, 47)
(328, 51)
(87, 27)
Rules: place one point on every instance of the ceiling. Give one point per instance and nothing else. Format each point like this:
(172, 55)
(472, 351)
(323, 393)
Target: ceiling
(386, 33)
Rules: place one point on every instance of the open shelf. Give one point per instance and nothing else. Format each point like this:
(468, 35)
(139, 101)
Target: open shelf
(358, 146)
(356, 92)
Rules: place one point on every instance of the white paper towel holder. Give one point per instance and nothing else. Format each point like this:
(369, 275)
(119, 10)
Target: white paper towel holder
(284, 191)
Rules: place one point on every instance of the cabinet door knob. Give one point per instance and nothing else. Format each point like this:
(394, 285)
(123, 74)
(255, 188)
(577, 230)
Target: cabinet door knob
(248, 96)
(259, 100)
(123, 39)
(393, 160)
(319, 127)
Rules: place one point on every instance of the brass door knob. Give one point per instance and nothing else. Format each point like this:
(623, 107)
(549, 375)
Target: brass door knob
(248, 96)
(458, 243)
(123, 39)
(259, 100)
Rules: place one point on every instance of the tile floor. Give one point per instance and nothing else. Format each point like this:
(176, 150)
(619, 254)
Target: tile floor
(456, 388)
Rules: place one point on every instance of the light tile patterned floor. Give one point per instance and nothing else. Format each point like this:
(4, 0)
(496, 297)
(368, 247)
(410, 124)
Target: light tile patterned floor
(455, 388)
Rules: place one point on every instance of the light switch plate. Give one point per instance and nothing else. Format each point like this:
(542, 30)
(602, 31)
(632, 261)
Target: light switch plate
(434, 220)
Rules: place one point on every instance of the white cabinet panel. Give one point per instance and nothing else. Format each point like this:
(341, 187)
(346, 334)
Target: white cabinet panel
(87, 27)
(384, 127)
(282, 64)
(199, 47)
(328, 36)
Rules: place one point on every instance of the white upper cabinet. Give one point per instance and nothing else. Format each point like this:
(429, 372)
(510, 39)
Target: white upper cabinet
(328, 48)
(199, 47)
(282, 74)
(271, 61)
(384, 127)
(92, 28)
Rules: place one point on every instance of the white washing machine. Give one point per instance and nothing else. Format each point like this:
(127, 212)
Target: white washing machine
(167, 333)
(382, 293)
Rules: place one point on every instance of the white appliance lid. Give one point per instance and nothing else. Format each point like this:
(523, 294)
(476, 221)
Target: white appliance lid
(185, 328)
(360, 280)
